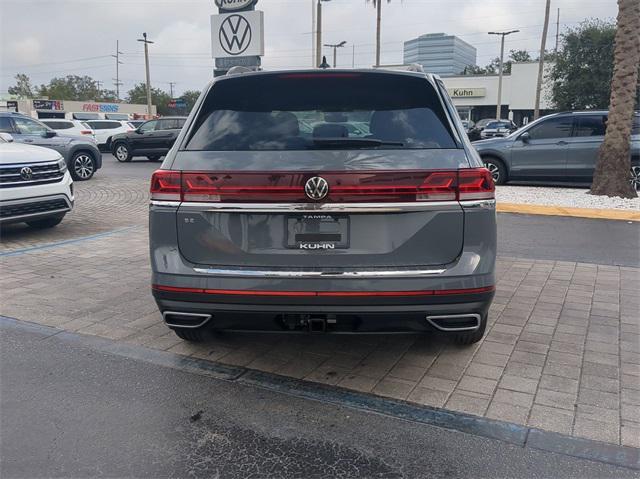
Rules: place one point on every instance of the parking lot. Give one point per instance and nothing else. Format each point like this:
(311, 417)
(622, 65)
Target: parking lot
(562, 352)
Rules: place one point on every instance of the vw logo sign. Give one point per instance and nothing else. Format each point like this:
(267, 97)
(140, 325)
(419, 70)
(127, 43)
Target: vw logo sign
(231, 5)
(235, 34)
(26, 173)
(316, 188)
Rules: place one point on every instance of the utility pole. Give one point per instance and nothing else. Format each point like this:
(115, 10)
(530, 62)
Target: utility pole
(99, 84)
(378, 25)
(313, 35)
(117, 81)
(146, 62)
(335, 47)
(171, 85)
(499, 102)
(557, 31)
(543, 43)
(318, 32)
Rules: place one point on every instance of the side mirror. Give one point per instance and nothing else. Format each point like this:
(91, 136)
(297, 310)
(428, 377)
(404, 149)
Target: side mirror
(6, 137)
(525, 137)
(49, 134)
(138, 131)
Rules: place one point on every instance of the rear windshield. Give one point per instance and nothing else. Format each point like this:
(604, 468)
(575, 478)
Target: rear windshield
(313, 111)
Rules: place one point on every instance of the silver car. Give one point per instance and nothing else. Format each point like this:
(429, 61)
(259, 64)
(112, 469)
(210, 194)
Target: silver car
(256, 224)
(558, 147)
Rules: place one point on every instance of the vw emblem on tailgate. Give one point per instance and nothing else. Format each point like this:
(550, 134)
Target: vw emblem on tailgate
(316, 188)
(235, 34)
(26, 173)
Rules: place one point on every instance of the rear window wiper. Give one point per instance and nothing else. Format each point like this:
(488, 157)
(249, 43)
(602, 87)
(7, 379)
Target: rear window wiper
(354, 142)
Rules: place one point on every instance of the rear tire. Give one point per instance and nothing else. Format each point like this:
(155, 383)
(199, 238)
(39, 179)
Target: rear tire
(497, 169)
(45, 222)
(471, 337)
(196, 335)
(122, 152)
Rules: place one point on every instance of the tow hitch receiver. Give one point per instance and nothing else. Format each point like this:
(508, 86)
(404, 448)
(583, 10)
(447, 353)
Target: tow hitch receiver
(317, 325)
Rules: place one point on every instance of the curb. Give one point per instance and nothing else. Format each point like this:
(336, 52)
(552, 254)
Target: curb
(593, 213)
(515, 434)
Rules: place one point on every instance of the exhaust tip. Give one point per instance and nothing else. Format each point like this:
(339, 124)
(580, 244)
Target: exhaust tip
(456, 322)
(177, 319)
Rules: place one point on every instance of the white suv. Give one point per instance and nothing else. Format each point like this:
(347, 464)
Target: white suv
(105, 129)
(70, 127)
(35, 185)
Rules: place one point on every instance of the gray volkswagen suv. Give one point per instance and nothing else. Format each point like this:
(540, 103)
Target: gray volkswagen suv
(259, 224)
(558, 147)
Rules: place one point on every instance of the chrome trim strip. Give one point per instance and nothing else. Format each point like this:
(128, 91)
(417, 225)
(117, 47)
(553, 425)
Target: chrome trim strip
(35, 215)
(320, 207)
(206, 319)
(477, 317)
(54, 179)
(412, 273)
(33, 163)
(36, 199)
(164, 203)
(478, 203)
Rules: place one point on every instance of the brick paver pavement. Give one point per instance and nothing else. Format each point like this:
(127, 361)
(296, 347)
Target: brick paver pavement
(562, 350)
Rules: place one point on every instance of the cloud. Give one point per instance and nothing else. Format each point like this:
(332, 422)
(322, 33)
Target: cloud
(63, 30)
(25, 50)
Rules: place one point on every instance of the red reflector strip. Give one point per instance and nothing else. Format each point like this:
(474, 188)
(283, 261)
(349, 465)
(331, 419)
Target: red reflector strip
(237, 292)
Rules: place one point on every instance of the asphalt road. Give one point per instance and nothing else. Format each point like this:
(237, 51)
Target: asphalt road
(521, 236)
(70, 411)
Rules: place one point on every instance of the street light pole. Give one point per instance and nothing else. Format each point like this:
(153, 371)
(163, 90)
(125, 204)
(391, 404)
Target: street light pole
(499, 102)
(335, 49)
(146, 62)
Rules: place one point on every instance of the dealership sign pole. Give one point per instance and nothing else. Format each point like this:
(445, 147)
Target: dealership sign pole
(237, 35)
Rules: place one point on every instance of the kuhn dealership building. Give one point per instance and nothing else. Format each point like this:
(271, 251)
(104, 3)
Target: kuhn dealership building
(476, 96)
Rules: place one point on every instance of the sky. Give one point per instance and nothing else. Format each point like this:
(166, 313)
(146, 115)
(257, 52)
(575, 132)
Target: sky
(53, 38)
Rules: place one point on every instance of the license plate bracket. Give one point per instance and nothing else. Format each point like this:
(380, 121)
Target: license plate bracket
(317, 232)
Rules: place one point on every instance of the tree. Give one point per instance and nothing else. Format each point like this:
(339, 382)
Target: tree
(22, 88)
(583, 67)
(493, 67)
(611, 177)
(160, 98)
(190, 97)
(74, 87)
(378, 6)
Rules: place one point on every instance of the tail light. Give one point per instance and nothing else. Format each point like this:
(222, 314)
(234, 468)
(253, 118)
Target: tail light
(86, 132)
(475, 184)
(165, 185)
(344, 187)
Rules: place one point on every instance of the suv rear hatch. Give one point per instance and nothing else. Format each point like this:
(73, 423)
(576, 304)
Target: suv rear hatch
(326, 170)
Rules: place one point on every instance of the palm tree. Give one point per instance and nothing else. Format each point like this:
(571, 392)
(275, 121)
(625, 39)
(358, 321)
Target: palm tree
(378, 5)
(611, 177)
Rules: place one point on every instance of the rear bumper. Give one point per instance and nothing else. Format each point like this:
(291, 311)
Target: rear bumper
(365, 314)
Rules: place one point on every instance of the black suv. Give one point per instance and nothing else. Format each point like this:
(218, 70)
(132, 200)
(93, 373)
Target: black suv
(153, 139)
